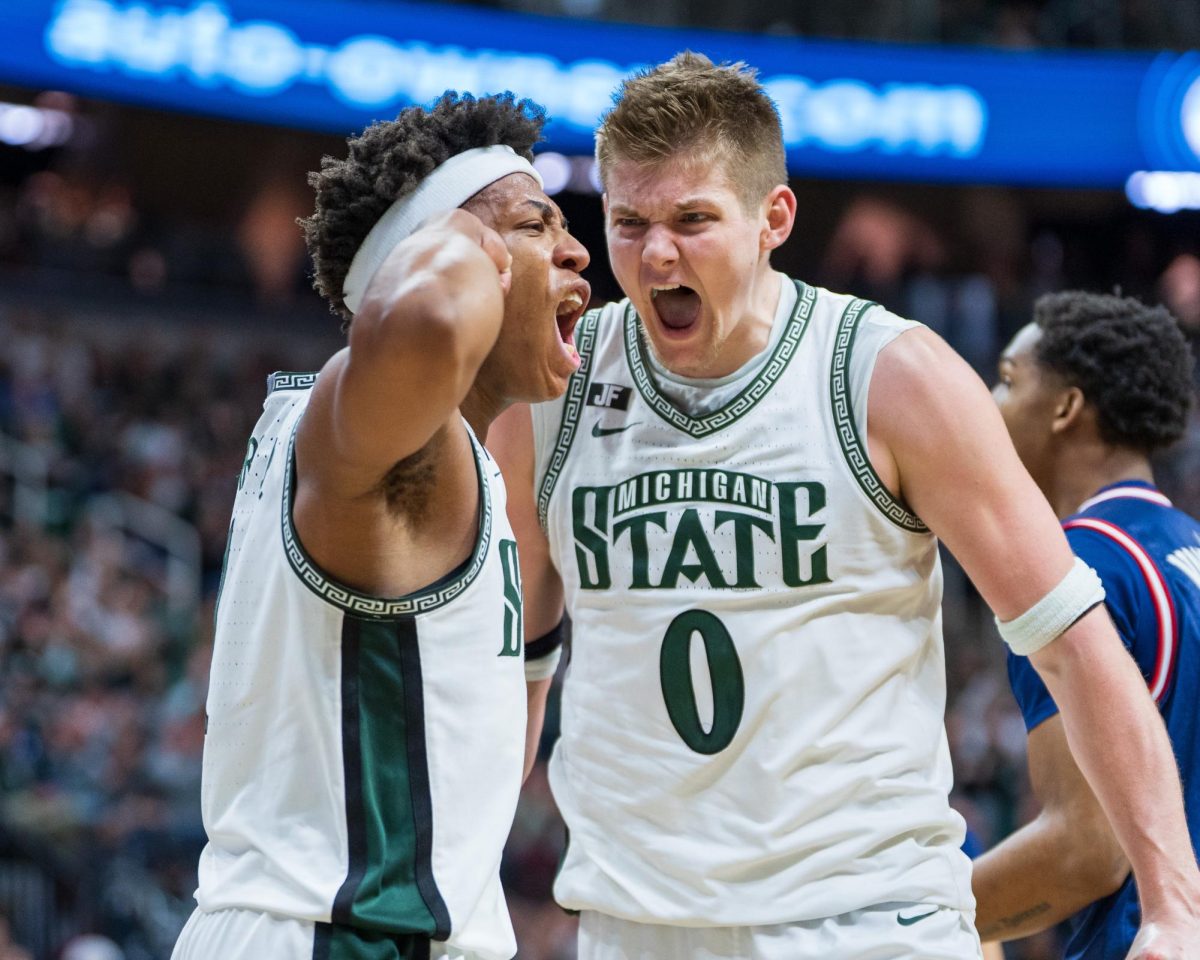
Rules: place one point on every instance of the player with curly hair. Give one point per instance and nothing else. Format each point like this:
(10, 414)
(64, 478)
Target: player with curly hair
(1090, 390)
(367, 708)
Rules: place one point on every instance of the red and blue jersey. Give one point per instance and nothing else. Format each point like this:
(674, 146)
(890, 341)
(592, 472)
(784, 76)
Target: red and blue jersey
(1147, 553)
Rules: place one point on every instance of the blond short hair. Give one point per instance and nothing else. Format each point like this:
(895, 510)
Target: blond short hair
(691, 107)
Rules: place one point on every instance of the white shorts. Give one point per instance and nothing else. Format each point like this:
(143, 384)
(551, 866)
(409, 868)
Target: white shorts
(907, 931)
(254, 935)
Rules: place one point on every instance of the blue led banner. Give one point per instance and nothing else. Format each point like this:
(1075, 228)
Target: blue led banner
(849, 110)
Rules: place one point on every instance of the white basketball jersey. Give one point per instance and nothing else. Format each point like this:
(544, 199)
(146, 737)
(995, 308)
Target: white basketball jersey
(752, 721)
(363, 755)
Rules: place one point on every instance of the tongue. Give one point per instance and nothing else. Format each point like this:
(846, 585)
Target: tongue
(678, 308)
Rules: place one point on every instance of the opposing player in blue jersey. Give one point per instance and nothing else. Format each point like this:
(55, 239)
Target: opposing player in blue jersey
(1089, 390)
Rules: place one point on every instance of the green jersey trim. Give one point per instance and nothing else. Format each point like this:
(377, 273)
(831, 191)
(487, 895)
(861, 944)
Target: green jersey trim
(335, 942)
(380, 608)
(747, 398)
(389, 883)
(853, 448)
(572, 410)
(289, 380)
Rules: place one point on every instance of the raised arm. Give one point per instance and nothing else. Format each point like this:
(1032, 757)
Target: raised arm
(428, 320)
(1056, 865)
(937, 438)
(510, 441)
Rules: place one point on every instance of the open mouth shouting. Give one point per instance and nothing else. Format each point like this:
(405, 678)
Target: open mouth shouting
(566, 315)
(677, 307)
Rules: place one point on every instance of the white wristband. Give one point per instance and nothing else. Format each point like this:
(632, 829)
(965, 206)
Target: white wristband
(543, 667)
(1079, 591)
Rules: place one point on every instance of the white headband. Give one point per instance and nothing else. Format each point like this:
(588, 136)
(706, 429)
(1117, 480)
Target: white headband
(445, 188)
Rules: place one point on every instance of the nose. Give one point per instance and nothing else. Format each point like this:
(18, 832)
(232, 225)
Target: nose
(570, 254)
(658, 247)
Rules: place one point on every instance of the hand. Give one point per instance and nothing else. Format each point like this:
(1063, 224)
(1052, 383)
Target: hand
(463, 221)
(1167, 940)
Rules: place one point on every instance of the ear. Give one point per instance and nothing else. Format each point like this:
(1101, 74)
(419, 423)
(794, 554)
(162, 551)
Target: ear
(779, 208)
(604, 206)
(1068, 410)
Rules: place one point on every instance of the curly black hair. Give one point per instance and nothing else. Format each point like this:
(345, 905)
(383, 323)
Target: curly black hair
(1131, 361)
(388, 159)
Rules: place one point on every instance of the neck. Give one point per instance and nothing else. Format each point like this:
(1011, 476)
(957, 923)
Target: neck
(753, 331)
(480, 407)
(1080, 473)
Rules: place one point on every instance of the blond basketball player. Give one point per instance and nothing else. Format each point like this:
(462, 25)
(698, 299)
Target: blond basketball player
(367, 705)
(740, 498)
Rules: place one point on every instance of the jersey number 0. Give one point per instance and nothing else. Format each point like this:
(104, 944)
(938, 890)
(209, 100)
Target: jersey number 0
(724, 669)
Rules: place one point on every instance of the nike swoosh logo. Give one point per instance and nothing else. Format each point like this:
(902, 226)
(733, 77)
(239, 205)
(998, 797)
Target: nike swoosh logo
(599, 431)
(909, 921)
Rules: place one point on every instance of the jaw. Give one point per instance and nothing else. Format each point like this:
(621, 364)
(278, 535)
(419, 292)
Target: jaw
(533, 360)
(542, 371)
(688, 352)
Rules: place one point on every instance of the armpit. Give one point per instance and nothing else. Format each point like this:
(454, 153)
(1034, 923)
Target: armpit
(407, 487)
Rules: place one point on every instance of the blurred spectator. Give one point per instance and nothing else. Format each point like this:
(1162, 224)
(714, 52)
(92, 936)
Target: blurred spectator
(1179, 288)
(9, 948)
(271, 242)
(92, 947)
(102, 681)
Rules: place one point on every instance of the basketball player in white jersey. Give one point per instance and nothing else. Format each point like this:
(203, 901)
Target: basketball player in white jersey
(738, 498)
(367, 705)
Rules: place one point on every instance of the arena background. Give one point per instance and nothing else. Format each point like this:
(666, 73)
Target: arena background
(952, 160)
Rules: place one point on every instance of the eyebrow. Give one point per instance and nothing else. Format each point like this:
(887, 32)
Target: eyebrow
(548, 213)
(687, 203)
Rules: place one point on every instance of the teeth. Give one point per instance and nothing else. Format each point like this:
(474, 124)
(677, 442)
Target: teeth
(571, 303)
(655, 290)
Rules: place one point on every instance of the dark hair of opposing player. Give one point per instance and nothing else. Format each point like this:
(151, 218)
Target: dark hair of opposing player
(388, 160)
(1131, 361)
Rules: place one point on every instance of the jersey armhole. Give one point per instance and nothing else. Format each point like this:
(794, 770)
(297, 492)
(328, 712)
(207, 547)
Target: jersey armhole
(368, 606)
(857, 344)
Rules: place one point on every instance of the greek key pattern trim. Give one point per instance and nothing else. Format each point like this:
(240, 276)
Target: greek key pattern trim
(745, 401)
(287, 380)
(847, 432)
(381, 608)
(572, 411)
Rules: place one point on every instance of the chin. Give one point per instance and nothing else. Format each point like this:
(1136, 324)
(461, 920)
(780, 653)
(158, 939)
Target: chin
(684, 357)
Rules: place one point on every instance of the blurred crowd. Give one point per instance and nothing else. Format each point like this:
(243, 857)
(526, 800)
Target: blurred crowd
(103, 670)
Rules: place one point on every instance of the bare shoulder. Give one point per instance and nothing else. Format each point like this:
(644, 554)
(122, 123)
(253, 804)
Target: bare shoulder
(937, 424)
(919, 373)
(934, 417)
(923, 399)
